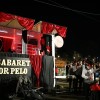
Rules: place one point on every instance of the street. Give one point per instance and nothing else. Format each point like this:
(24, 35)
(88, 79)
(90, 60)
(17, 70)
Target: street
(59, 96)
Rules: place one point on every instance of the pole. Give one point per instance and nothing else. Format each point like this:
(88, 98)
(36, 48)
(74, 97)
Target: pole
(23, 47)
(53, 54)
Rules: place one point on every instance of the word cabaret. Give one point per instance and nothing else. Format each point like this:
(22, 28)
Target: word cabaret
(13, 66)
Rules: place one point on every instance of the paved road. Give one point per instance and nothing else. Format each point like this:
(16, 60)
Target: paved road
(60, 96)
(57, 95)
(65, 96)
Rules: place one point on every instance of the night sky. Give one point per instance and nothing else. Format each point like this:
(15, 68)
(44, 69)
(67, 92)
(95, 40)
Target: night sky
(80, 19)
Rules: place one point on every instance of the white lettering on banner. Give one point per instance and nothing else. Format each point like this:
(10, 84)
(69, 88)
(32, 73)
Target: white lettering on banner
(9, 62)
(13, 70)
(3, 62)
(18, 62)
(4, 71)
(19, 71)
(14, 66)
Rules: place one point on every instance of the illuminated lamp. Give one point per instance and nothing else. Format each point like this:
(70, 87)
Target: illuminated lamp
(59, 42)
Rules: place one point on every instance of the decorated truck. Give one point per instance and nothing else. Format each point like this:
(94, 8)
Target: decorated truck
(27, 49)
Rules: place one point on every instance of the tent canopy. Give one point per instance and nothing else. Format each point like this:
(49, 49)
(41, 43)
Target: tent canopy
(50, 28)
(18, 22)
(12, 24)
(22, 23)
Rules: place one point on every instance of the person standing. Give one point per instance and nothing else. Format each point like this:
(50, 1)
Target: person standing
(88, 77)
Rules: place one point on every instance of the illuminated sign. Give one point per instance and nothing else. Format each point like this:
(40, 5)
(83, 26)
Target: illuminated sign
(60, 63)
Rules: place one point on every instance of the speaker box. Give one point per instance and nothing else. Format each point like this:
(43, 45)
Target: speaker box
(24, 36)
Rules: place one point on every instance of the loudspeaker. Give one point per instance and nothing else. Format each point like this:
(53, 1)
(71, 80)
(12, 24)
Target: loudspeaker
(24, 35)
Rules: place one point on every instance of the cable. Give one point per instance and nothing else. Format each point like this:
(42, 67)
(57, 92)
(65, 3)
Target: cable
(67, 8)
(90, 17)
(79, 12)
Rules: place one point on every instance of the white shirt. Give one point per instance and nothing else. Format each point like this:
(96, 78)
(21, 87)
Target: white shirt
(87, 73)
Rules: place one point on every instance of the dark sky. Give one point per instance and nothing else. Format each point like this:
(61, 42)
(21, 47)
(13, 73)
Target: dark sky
(79, 17)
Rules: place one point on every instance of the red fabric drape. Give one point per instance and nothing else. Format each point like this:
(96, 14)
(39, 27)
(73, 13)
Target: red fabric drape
(43, 42)
(47, 28)
(25, 22)
(36, 62)
(5, 17)
(61, 30)
(31, 49)
(7, 44)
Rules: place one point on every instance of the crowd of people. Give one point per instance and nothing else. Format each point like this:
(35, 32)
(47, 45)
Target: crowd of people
(81, 75)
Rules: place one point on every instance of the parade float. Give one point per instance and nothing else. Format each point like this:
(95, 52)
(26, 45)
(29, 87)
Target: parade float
(28, 49)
